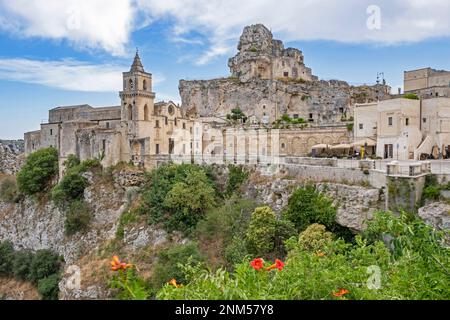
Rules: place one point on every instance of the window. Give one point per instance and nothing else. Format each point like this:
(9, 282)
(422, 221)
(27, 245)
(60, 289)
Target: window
(176, 122)
(295, 116)
(107, 125)
(51, 132)
(157, 149)
(341, 110)
(424, 120)
(286, 74)
(145, 113)
(170, 109)
(166, 121)
(157, 124)
(407, 122)
(361, 126)
(145, 85)
(131, 85)
(184, 126)
(390, 121)
(130, 112)
(103, 145)
(283, 146)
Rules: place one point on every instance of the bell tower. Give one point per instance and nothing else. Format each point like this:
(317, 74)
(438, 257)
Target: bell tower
(137, 98)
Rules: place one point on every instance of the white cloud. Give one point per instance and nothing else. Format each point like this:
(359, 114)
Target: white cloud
(105, 24)
(66, 74)
(344, 21)
(108, 24)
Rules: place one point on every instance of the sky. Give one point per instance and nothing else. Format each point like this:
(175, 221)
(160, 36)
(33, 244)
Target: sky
(67, 52)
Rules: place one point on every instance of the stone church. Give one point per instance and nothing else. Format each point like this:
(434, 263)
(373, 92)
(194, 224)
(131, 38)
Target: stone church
(139, 130)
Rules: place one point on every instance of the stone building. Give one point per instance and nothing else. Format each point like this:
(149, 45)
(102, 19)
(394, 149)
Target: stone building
(406, 129)
(139, 130)
(428, 82)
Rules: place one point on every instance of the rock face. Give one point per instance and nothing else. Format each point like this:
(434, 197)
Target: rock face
(355, 204)
(10, 159)
(437, 215)
(260, 56)
(36, 225)
(269, 81)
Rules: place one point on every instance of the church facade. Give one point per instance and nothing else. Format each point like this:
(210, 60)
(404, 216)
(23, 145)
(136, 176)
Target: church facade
(139, 130)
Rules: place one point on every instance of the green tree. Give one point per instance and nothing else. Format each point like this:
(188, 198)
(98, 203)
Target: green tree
(307, 206)
(315, 238)
(188, 200)
(236, 176)
(45, 263)
(38, 171)
(78, 217)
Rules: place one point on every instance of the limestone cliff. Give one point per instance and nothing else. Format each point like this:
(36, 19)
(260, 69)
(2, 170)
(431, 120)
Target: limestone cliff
(268, 81)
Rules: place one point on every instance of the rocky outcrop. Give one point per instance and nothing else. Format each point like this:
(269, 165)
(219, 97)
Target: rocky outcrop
(10, 159)
(437, 215)
(355, 204)
(269, 81)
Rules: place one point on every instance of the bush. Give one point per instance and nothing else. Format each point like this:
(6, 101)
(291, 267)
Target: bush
(8, 190)
(6, 258)
(71, 162)
(48, 287)
(417, 272)
(411, 96)
(266, 234)
(261, 231)
(70, 188)
(236, 177)
(168, 265)
(22, 264)
(38, 171)
(78, 217)
(44, 264)
(315, 238)
(178, 196)
(307, 206)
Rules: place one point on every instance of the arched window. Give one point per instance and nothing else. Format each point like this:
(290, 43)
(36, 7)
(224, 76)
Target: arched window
(131, 86)
(130, 112)
(145, 113)
(145, 85)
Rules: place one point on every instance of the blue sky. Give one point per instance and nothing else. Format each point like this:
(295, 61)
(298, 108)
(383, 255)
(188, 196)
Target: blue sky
(73, 52)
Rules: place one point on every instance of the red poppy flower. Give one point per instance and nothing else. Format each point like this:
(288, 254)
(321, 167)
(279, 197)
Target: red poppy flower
(341, 293)
(257, 264)
(277, 265)
(117, 265)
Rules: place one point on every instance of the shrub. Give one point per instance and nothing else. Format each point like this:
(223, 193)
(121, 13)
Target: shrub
(417, 272)
(261, 231)
(8, 190)
(48, 287)
(44, 264)
(315, 238)
(236, 177)
(350, 127)
(6, 258)
(22, 264)
(168, 265)
(411, 96)
(38, 171)
(71, 162)
(78, 217)
(70, 188)
(307, 206)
